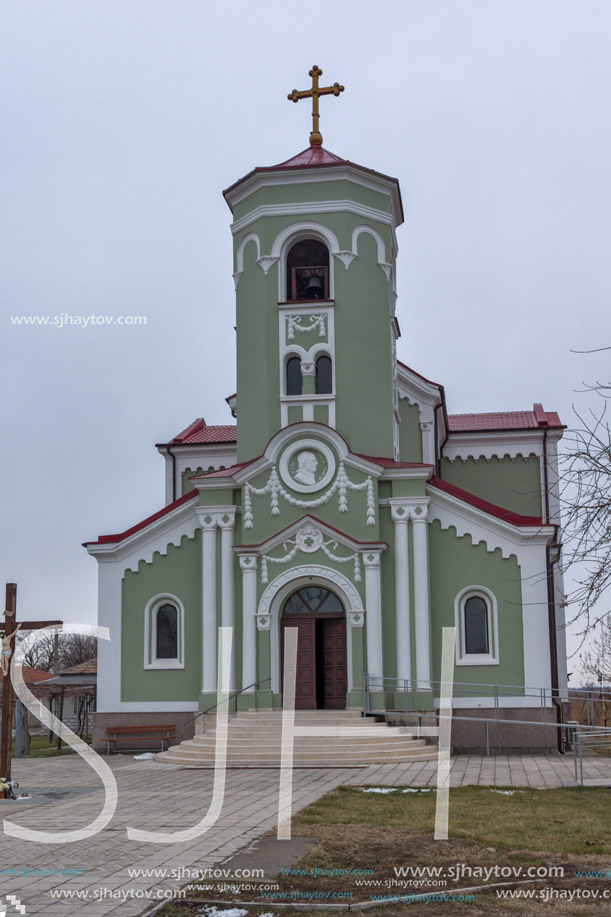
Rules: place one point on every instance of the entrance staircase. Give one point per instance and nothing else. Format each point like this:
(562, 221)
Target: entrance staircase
(254, 740)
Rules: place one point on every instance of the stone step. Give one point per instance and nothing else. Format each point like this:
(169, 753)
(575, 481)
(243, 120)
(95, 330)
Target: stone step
(419, 754)
(301, 747)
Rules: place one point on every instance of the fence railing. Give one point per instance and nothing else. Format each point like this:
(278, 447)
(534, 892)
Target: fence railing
(587, 737)
(375, 686)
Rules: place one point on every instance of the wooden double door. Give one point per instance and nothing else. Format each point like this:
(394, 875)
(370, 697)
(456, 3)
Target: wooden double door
(320, 620)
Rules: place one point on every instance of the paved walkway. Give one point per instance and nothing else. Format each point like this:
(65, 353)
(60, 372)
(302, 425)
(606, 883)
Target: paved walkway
(154, 797)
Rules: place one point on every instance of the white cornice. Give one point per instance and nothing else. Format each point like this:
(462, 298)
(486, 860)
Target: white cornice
(305, 207)
(422, 473)
(489, 443)
(373, 182)
(193, 450)
(452, 512)
(153, 538)
(415, 389)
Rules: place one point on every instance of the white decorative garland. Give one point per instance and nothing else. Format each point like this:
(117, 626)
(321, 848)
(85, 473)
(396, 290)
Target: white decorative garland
(294, 324)
(274, 487)
(309, 540)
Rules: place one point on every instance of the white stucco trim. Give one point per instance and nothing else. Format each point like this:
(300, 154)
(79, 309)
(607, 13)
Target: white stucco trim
(272, 600)
(204, 455)
(307, 207)
(489, 444)
(462, 657)
(369, 230)
(150, 632)
(304, 175)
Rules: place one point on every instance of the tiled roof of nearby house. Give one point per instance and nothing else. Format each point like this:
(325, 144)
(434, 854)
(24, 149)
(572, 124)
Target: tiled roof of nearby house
(505, 420)
(199, 432)
(32, 675)
(89, 667)
(505, 514)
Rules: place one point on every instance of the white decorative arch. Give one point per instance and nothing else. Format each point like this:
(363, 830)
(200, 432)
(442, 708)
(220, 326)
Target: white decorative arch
(379, 241)
(278, 591)
(250, 237)
(296, 232)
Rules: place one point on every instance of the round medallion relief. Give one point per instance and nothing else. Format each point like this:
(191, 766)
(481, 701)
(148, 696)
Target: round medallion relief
(307, 466)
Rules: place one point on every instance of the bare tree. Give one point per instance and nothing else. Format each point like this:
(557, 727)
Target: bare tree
(586, 506)
(596, 661)
(72, 650)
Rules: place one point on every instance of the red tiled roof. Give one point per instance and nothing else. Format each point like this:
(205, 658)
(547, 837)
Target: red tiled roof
(112, 539)
(312, 156)
(199, 432)
(505, 420)
(222, 473)
(32, 676)
(505, 514)
(89, 667)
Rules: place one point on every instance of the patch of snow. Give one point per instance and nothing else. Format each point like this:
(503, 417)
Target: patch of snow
(379, 789)
(504, 792)
(144, 757)
(416, 790)
(213, 911)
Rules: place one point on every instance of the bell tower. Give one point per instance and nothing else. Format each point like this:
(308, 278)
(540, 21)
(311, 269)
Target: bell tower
(314, 269)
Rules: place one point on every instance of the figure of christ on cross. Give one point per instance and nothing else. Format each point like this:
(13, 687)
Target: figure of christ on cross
(8, 645)
(315, 92)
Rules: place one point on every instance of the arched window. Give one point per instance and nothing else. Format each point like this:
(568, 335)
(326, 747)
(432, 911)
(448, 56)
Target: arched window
(476, 625)
(294, 379)
(324, 375)
(477, 628)
(313, 600)
(164, 637)
(307, 271)
(166, 632)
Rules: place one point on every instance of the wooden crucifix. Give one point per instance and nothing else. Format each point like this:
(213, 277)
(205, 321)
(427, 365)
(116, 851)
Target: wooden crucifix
(8, 646)
(314, 93)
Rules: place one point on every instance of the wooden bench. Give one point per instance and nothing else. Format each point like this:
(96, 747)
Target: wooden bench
(115, 734)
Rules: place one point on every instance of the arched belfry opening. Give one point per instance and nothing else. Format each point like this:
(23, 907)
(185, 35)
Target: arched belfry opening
(320, 618)
(307, 271)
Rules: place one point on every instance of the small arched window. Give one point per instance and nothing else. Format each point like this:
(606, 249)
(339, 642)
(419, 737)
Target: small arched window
(324, 375)
(294, 379)
(307, 271)
(477, 638)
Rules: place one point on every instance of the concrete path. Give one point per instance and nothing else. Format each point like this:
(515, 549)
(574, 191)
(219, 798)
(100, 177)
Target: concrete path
(153, 797)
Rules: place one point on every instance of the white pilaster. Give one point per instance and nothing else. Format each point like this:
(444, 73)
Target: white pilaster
(227, 523)
(418, 514)
(209, 603)
(248, 563)
(400, 518)
(373, 604)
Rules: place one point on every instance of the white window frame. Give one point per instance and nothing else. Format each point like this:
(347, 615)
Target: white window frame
(492, 656)
(150, 633)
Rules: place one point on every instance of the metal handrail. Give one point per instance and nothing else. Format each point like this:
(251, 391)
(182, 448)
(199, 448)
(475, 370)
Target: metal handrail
(583, 736)
(255, 684)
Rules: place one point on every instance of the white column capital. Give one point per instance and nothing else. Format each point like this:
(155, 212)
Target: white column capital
(264, 622)
(308, 368)
(207, 520)
(371, 559)
(356, 618)
(399, 512)
(248, 563)
(226, 519)
(419, 511)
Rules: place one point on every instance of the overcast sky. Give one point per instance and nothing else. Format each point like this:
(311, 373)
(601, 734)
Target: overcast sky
(124, 120)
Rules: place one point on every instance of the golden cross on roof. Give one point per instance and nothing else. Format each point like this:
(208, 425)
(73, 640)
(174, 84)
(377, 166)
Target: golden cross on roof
(315, 92)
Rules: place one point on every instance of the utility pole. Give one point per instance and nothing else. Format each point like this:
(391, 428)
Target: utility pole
(8, 647)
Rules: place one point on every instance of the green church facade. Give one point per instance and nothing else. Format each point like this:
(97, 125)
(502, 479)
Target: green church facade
(344, 500)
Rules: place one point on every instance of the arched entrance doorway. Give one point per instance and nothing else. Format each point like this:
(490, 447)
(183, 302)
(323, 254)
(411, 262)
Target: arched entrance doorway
(320, 618)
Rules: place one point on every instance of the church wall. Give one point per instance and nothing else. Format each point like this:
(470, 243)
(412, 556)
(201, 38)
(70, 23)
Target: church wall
(258, 381)
(410, 436)
(363, 354)
(455, 564)
(514, 484)
(176, 573)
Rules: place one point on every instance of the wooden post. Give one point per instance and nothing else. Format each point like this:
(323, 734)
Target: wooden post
(7, 686)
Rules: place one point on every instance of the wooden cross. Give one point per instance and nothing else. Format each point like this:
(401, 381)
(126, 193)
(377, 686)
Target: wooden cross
(8, 646)
(315, 92)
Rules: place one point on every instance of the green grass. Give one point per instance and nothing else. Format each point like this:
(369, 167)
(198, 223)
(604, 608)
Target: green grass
(40, 747)
(558, 820)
